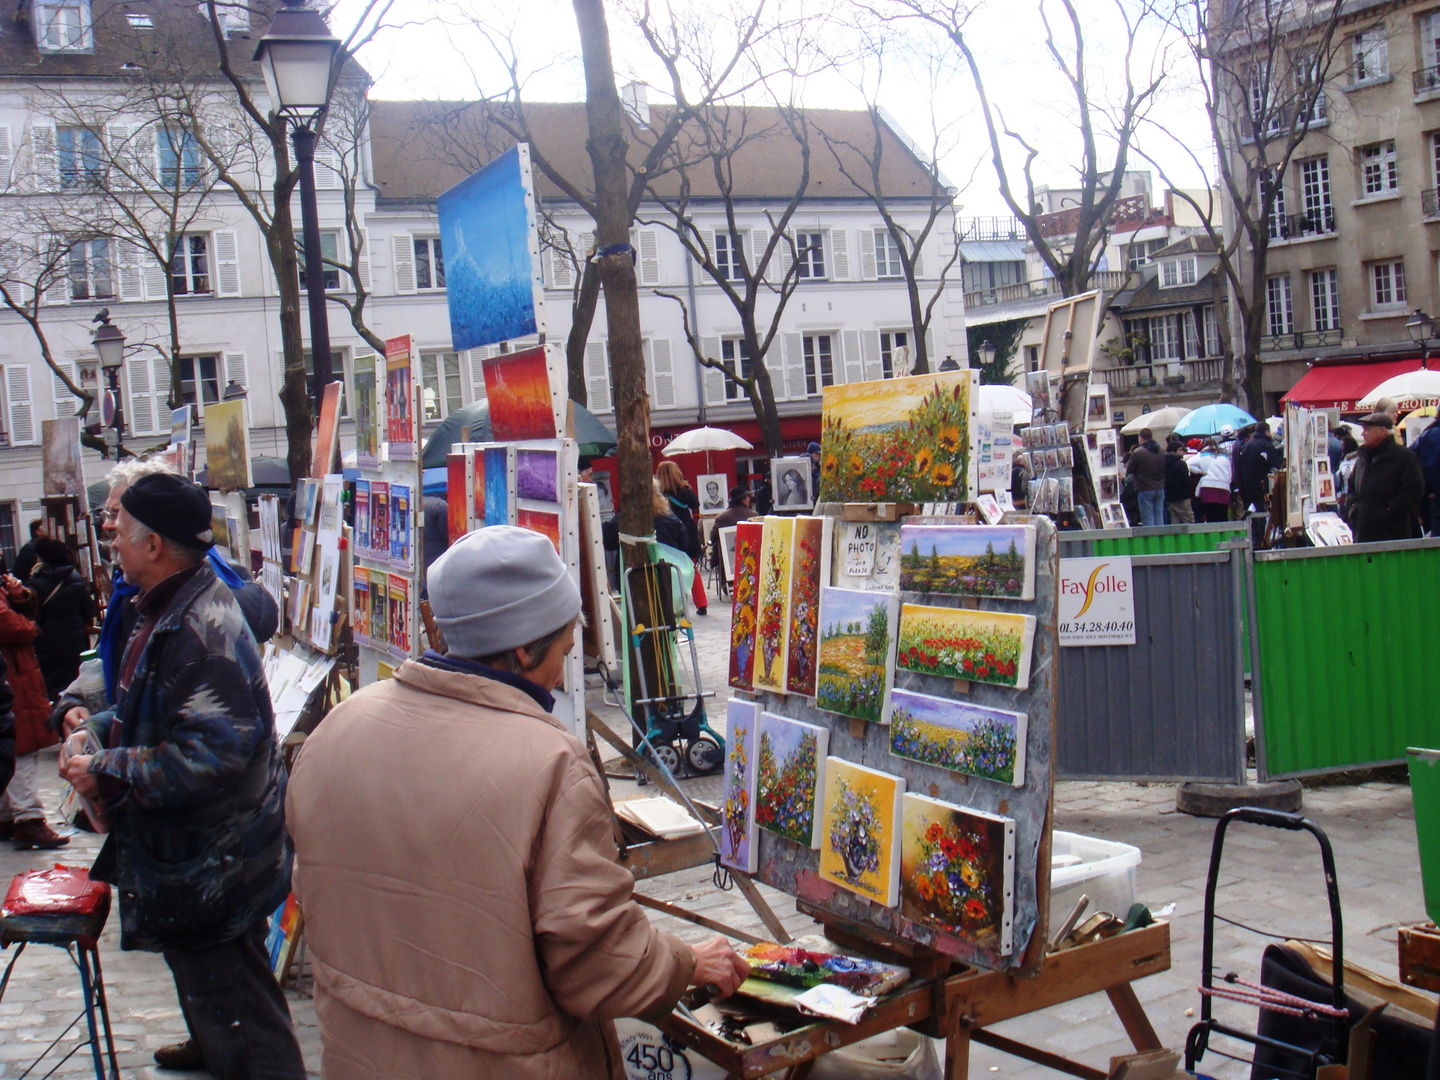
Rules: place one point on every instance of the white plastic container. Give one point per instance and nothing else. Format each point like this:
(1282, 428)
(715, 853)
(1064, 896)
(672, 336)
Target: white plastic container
(1105, 872)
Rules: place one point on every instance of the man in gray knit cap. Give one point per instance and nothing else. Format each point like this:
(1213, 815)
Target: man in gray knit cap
(464, 907)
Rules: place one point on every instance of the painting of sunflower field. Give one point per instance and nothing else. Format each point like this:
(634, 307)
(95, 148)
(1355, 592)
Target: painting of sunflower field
(737, 837)
(957, 871)
(961, 643)
(809, 568)
(969, 560)
(744, 590)
(900, 440)
(772, 619)
(857, 633)
(789, 756)
(858, 830)
(958, 736)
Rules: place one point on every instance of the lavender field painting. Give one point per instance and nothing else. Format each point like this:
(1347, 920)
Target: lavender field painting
(535, 475)
(487, 225)
(958, 736)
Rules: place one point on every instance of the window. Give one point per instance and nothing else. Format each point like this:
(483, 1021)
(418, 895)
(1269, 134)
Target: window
(200, 380)
(1211, 326)
(429, 263)
(440, 392)
(1435, 158)
(1315, 191)
(1138, 254)
(1325, 299)
(1270, 184)
(1164, 334)
(894, 352)
(1378, 169)
(337, 365)
(81, 157)
(1387, 281)
(819, 363)
(1279, 305)
(92, 274)
(139, 20)
(810, 255)
(1176, 272)
(732, 353)
(887, 256)
(190, 265)
(1190, 339)
(61, 27)
(1429, 77)
(1262, 112)
(1371, 54)
(727, 254)
(7, 533)
(329, 253)
(179, 159)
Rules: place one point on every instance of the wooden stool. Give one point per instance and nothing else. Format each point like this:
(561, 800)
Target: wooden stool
(64, 908)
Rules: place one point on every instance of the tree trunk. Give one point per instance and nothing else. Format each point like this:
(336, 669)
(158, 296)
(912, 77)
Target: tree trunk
(582, 316)
(921, 350)
(762, 399)
(295, 392)
(607, 146)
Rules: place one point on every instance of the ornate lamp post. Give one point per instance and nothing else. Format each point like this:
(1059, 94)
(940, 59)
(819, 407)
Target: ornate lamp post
(109, 345)
(1422, 329)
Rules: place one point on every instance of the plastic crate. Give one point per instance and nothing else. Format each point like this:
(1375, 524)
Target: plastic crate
(1105, 873)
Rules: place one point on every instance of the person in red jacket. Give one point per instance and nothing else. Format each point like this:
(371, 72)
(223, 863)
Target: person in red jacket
(22, 815)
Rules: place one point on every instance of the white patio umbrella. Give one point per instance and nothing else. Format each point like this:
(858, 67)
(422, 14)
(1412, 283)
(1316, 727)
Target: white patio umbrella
(701, 439)
(1412, 390)
(1160, 422)
(1003, 398)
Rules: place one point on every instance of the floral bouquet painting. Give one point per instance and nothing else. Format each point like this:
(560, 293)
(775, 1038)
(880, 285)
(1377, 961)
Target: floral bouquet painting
(958, 736)
(788, 759)
(961, 643)
(858, 830)
(900, 440)
(738, 849)
(744, 592)
(809, 569)
(957, 872)
(772, 628)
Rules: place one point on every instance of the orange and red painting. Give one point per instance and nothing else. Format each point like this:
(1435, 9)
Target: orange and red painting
(521, 400)
(541, 521)
(458, 511)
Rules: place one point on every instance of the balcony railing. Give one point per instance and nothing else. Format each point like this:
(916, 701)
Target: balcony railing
(991, 228)
(1317, 222)
(1111, 281)
(1426, 79)
(1150, 378)
(1305, 339)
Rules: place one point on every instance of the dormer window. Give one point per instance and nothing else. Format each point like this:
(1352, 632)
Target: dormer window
(234, 16)
(140, 20)
(1177, 272)
(62, 26)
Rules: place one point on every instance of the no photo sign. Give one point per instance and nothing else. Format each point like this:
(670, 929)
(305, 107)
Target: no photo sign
(1097, 602)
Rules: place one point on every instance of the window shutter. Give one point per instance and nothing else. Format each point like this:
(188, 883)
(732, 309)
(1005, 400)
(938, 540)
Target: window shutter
(713, 382)
(794, 366)
(238, 372)
(785, 250)
(919, 261)
(226, 246)
(649, 258)
(587, 245)
(560, 271)
(54, 262)
(839, 255)
(45, 161)
(477, 374)
(867, 255)
(66, 403)
(142, 411)
(854, 367)
(662, 372)
(327, 168)
(7, 156)
(119, 146)
(758, 239)
(930, 350)
(870, 354)
(362, 263)
(19, 410)
(132, 280)
(597, 376)
(143, 157)
(155, 273)
(404, 248)
(707, 242)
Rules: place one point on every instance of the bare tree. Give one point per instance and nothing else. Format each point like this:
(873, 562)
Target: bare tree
(1263, 69)
(344, 143)
(1074, 261)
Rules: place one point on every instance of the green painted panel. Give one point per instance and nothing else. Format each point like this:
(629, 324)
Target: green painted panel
(1342, 672)
(1168, 540)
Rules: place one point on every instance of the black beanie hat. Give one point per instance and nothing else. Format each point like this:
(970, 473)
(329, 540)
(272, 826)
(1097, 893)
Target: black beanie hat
(171, 506)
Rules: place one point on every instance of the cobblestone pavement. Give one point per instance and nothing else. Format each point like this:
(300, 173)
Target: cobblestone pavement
(1270, 879)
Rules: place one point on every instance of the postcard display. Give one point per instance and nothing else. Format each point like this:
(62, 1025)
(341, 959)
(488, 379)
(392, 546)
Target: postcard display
(1309, 486)
(386, 552)
(1045, 449)
(889, 751)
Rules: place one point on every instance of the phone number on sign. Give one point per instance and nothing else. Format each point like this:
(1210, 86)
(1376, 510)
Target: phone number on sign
(1116, 627)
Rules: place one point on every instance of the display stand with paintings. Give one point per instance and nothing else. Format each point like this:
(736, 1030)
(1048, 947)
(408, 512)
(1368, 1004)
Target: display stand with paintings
(1309, 485)
(65, 518)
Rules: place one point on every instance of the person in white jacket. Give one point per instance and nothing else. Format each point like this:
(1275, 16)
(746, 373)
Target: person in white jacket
(1213, 468)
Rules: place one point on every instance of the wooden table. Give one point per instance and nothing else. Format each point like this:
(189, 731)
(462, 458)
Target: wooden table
(959, 1007)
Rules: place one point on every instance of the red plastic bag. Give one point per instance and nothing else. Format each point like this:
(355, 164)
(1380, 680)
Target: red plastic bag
(65, 890)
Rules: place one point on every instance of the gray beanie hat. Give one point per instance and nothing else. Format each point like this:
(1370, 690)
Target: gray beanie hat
(498, 588)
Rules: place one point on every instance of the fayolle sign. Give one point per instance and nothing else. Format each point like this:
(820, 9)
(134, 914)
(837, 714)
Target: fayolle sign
(1097, 601)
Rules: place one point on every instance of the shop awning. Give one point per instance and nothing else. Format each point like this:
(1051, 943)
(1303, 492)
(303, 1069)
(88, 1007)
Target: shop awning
(1340, 386)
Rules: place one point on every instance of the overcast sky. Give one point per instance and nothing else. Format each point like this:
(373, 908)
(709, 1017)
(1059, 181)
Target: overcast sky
(439, 54)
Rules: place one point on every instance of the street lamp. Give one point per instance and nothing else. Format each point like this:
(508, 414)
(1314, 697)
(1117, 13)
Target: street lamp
(109, 345)
(297, 55)
(987, 353)
(1421, 328)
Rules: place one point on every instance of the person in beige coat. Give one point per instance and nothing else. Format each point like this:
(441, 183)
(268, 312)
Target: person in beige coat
(464, 906)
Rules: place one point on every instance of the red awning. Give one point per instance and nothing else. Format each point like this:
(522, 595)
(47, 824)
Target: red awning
(1340, 386)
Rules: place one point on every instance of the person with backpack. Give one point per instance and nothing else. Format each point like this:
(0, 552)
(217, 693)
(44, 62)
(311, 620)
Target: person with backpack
(66, 610)
(685, 505)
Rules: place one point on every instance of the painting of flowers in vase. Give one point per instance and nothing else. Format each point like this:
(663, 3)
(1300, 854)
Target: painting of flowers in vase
(789, 758)
(737, 834)
(858, 831)
(900, 440)
(809, 570)
(772, 628)
(957, 871)
(744, 594)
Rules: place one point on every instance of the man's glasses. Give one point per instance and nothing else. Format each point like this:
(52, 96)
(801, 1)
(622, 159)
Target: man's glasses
(108, 515)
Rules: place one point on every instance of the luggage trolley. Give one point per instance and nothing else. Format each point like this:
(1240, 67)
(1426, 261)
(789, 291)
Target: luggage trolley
(670, 722)
(1329, 1023)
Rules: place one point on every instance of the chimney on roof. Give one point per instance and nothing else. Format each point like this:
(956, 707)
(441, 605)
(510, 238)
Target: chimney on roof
(634, 96)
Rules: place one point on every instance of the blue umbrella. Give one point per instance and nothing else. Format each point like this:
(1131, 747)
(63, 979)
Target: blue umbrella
(1209, 419)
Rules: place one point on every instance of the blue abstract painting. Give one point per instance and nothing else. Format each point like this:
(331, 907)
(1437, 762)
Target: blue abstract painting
(487, 230)
(497, 487)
